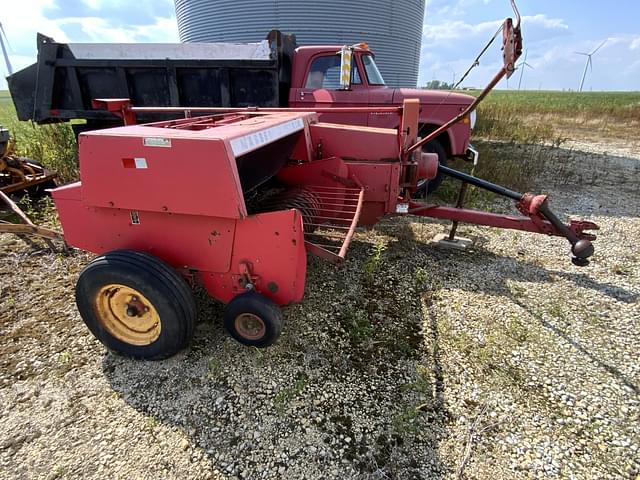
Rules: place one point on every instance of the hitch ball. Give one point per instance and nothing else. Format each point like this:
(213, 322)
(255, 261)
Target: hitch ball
(581, 250)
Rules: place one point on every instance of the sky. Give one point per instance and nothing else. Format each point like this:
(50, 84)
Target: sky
(454, 32)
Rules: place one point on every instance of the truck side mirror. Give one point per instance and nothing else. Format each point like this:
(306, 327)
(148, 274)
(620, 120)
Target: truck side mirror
(346, 57)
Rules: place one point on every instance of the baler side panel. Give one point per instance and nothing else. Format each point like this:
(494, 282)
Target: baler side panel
(193, 176)
(183, 241)
(316, 173)
(272, 246)
(353, 142)
(381, 188)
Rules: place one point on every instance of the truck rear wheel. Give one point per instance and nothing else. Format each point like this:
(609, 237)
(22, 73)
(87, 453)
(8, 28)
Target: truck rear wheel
(427, 187)
(136, 305)
(253, 320)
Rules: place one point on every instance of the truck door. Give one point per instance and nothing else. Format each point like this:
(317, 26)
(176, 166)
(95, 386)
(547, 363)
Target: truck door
(322, 90)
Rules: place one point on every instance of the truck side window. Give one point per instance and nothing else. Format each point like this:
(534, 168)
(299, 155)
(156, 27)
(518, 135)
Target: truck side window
(371, 69)
(325, 73)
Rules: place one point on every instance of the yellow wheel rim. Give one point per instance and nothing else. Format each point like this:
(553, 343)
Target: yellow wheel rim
(127, 314)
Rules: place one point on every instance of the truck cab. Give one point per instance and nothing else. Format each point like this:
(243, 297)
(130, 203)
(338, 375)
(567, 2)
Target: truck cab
(315, 82)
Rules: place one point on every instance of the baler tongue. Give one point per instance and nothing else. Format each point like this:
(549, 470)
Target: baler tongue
(538, 216)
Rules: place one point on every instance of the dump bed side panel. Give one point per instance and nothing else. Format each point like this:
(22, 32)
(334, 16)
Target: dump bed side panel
(66, 77)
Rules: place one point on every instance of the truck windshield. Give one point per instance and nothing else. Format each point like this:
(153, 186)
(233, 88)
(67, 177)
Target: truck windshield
(373, 74)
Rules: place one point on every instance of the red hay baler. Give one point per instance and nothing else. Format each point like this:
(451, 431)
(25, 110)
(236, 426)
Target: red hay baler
(233, 201)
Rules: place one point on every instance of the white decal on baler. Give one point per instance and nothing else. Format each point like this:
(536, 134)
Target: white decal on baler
(246, 143)
(157, 142)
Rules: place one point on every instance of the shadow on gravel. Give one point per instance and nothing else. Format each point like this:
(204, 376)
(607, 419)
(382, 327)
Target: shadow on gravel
(604, 181)
(354, 388)
(510, 268)
(621, 377)
(519, 270)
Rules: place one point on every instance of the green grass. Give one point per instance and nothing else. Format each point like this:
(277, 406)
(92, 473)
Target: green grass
(286, 395)
(52, 145)
(622, 105)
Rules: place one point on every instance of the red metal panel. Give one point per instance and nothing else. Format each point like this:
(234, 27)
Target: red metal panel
(184, 241)
(272, 244)
(178, 175)
(350, 142)
(179, 166)
(381, 189)
(318, 172)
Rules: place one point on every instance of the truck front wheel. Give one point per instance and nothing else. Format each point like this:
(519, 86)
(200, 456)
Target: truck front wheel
(427, 187)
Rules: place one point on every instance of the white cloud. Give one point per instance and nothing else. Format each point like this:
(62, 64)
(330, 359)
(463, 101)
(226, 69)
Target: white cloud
(97, 29)
(556, 66)
(458, 29)
(22, 34)
(452, 45)
(449, 8)
(544, 21)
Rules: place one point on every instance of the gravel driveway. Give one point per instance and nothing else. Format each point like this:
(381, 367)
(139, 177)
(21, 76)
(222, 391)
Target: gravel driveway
(408, 362)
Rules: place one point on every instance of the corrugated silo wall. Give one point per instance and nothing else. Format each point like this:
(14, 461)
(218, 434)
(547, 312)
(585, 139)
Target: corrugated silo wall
(393, 29)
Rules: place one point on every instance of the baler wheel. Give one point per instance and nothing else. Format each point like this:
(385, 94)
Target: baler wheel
(253, 320)
(136, 305)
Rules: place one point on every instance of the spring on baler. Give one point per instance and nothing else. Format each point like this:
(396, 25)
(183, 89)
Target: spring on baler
(301, 199)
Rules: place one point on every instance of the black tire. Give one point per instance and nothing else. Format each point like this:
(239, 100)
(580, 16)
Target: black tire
(429, 186)
(259, 309)
(160, 288)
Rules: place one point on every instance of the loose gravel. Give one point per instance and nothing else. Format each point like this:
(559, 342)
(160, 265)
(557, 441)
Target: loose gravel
(410, 362)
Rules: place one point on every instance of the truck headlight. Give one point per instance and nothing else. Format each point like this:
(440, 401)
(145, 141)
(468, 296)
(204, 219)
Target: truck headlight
(472, 119)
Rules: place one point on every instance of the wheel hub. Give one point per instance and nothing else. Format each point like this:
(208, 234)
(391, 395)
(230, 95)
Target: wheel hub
(250, 326)
(127, 315)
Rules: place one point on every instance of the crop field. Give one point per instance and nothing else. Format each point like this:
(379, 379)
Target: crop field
(409, 362)
(534, 116)
(588, 104)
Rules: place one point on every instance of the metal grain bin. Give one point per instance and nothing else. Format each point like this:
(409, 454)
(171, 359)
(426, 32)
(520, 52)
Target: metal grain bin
(393, 29)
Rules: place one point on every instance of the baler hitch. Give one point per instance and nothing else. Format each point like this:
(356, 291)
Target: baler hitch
(536, 207)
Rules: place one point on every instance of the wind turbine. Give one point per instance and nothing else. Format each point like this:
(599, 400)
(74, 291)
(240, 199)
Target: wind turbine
(588, 63)
(4, 50)
(521, 66)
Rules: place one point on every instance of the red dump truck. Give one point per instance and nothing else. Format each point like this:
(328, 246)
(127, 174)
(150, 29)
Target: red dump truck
(272, 73)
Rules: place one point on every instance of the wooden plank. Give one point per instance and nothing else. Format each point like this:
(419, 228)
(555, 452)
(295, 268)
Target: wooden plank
(22, 229)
